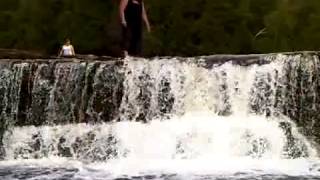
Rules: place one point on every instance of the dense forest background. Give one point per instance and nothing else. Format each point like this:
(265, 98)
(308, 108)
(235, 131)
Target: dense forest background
(179, 27)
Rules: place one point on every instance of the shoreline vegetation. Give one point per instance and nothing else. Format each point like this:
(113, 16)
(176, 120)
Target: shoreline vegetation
(195, 28)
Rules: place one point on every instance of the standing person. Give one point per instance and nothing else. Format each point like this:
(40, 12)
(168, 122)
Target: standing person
(132, 16)
(67, 49)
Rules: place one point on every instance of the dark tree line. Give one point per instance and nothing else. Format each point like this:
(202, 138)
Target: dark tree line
(179, 27)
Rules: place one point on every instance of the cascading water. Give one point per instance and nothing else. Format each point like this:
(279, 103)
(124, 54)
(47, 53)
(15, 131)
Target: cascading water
(161, 119)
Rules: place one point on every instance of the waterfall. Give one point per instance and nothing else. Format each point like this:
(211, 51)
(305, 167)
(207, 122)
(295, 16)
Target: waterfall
(162, 109)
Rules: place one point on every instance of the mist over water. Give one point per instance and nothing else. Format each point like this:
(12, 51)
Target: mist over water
(176, 120)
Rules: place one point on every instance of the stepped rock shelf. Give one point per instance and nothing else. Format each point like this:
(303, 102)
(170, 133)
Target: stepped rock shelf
(90, 89)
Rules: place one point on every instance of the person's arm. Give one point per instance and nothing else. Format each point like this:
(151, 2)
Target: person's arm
(72, 49)
(60, 52)
(123, 5)
(145, 18)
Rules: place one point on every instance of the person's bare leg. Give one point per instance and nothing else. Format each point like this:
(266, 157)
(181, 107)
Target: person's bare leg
(125, 54)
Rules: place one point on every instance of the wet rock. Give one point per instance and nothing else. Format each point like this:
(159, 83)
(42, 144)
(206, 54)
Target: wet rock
(63, 150)
(89, 148)
(2, 152)
(19, 54)
(294, 148)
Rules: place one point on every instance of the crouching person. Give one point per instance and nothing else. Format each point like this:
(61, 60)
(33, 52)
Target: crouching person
(67, 50)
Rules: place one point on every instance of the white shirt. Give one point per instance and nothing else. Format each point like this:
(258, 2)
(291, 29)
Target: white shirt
(67, 50)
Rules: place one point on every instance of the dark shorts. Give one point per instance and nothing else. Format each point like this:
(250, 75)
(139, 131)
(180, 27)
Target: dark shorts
(132, 39)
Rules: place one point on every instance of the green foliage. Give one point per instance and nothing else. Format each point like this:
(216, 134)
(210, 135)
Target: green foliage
(180, 27)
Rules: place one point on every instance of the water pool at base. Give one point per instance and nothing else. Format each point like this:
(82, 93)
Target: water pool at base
(56, 169)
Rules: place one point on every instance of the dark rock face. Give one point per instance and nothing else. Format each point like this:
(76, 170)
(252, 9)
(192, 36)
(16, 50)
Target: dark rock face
(296, 93)
(52, 92)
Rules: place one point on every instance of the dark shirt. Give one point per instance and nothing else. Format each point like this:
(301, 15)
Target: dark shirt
(133, 13)
(132, 33)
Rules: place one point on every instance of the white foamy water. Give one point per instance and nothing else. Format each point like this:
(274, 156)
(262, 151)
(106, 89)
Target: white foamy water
(197, 144)
(178, 120)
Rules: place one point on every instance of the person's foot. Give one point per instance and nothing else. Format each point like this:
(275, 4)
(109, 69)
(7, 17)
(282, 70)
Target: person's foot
(75, 60)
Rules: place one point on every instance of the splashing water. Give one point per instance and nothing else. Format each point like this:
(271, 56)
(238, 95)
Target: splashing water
(176, 120)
